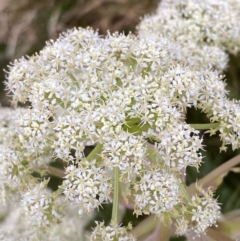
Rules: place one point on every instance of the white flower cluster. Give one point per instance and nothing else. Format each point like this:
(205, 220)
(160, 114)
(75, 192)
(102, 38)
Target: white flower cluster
(204, 28)
(126, 96)
(227, 113)
(111, 233)
(40, 206)
(16, 164)
(201, 214)
(15, 227)
(87, 185)
(159, 193)
(115, 93)
(17, 182)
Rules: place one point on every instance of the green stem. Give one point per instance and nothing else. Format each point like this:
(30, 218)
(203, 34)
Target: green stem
(133, 121)
(75, 81)
(184, 191)
(116, 195)
(153, 157)
(94, 152)
(205, 126)
(145, 227)
(139, 129)
(136, 129)
(165, 229)
(58, 192)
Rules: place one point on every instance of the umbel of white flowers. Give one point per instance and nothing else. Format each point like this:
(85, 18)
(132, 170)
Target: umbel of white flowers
(205, 29)
(126, 96)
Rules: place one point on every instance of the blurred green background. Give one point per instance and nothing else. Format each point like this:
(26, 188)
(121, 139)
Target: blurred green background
(26, 25)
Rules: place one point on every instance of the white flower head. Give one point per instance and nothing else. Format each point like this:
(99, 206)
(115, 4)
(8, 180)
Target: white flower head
(40, 206)
(111, 232)
(119, 94)
(87, 185)
(157, 192)
(202, 212)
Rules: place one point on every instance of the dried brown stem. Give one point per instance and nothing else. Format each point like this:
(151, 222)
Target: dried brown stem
(56, 172)
(209, 178)
(216, 235)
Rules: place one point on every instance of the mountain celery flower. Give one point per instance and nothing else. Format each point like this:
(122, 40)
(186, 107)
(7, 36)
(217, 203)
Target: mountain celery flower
(126, 96)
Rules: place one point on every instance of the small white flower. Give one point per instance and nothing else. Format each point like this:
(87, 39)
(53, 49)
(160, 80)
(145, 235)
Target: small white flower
(87, 185)
(157, 192)
(111, 232)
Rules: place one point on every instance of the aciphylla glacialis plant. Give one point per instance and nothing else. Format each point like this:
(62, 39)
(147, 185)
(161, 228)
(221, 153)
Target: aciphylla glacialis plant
(125, 96)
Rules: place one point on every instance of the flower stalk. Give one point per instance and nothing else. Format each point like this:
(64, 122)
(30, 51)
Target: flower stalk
(116, 195)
